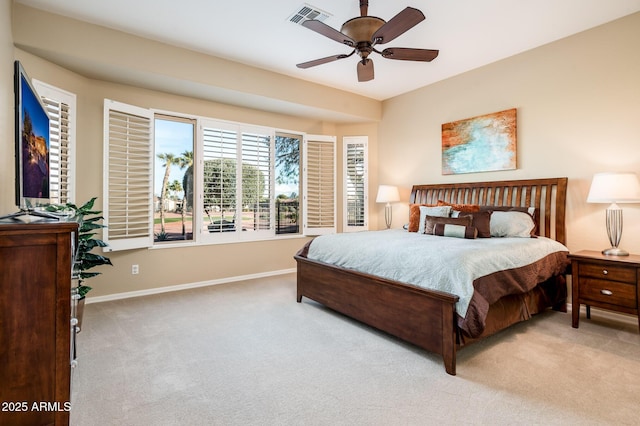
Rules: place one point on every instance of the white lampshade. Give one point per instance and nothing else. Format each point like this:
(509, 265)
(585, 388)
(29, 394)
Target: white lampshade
(387, 194)
(622, 187)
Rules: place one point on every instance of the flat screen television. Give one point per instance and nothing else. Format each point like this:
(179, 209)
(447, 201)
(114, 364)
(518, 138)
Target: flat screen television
(32, 145)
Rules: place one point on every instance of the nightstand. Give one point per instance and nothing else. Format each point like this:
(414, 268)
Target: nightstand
(608, 282)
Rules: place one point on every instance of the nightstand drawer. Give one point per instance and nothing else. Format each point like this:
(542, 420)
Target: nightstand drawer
(614, 293)
(607, 272)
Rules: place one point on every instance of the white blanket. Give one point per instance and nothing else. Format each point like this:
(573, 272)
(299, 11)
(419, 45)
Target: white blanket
(429, 261)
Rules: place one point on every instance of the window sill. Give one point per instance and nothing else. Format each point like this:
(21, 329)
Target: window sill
(210, 243)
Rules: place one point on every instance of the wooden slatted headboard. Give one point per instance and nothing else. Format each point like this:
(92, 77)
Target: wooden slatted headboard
(547, 195)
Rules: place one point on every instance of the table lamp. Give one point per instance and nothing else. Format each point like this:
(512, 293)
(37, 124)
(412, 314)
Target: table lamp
(387, 194)
(614, 188)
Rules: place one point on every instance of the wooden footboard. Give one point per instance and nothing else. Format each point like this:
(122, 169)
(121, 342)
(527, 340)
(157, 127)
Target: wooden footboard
(425, 318)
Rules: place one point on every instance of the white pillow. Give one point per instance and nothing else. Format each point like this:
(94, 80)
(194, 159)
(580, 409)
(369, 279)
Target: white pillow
(439, 211)
(511, 224)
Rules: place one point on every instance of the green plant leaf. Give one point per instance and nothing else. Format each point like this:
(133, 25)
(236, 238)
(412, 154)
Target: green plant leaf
(96, 259)
(94, 219)
(83, 290)
(90, 244)
(86, 227)
(88, 205)
(88, 221)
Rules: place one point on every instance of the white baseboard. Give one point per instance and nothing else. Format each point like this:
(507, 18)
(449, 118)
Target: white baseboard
(158, 290)
(614, 316)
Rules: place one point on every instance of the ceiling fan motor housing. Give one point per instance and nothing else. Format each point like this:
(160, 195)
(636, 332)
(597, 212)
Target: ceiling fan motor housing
(361, 29)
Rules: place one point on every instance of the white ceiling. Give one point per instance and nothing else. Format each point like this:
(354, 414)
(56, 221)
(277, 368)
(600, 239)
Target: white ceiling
(468, 33)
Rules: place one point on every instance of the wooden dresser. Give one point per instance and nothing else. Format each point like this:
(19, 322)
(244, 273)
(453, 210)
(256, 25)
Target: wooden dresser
(35, 330)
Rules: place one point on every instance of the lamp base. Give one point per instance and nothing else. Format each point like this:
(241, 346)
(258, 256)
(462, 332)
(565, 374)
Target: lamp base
(615, 251)
(388, 215)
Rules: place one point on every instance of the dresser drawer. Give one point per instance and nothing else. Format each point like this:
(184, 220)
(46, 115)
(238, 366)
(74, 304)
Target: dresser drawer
(614, 293)
(609, 273)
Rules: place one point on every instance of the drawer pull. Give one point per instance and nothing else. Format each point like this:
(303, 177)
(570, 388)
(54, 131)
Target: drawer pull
(605, 272)
(606, 292)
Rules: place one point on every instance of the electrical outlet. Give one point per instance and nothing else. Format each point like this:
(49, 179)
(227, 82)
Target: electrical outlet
(135, 269)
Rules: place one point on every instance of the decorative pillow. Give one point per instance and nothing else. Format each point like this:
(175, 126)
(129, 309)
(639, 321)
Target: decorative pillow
(532, 211)
(417, 213)
(480, 220)
(442, 211)
(414, 216)
(512, 224)
(431, 221)
(466, 208)
(458, 231)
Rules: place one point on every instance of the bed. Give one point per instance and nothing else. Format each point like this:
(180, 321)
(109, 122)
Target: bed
(427, 317)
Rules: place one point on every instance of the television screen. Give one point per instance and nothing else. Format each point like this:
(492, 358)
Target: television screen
(32, 144)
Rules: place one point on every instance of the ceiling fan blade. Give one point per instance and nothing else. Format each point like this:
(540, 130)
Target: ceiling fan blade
(406, 54)
(321, 61)
(365, 70)
(397, 25)
(327, 31)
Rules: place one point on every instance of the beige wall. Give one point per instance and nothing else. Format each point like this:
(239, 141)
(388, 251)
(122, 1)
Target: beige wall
(578, 104)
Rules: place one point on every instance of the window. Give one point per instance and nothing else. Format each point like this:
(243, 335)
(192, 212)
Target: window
(356, 212)
(214, 181)
(173, 179)
(287, 169)
(61, 107)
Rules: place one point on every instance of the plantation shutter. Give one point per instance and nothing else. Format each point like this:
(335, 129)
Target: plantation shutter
(237, 180)
(60, 106)
(257, 186)
(356, 212)
(128, 180)
(220, 157)
(319, 167)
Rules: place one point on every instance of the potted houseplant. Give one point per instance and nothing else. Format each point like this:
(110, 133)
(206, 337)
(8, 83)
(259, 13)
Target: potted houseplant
(84, 259)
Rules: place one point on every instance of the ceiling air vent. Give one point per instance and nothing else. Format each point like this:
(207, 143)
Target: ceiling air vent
(307, 12)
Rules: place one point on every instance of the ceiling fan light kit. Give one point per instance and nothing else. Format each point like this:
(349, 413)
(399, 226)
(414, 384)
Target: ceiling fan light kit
(364, 32)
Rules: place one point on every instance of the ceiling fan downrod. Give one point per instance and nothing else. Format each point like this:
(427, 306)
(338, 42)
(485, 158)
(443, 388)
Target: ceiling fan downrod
(364, 7)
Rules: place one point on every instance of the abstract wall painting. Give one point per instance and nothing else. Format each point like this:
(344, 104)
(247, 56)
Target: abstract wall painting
(480, 144)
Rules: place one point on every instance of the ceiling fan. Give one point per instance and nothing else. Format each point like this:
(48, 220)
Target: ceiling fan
(364, 32)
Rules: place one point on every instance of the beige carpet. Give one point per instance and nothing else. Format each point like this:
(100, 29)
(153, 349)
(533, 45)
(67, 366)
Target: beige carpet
(247, 354)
